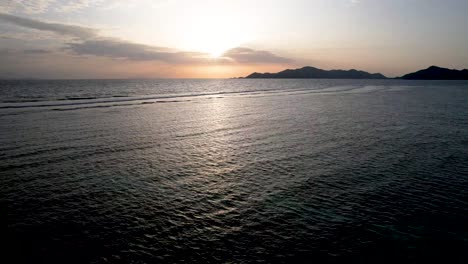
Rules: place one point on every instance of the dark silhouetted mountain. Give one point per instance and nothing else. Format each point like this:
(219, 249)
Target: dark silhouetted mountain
(437, 73)
(314, 73)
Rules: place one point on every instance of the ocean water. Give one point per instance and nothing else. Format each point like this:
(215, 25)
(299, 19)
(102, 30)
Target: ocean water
(237, 171)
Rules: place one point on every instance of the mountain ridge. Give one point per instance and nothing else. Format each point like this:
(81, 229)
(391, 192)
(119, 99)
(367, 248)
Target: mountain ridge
(437, 73)
(309, 72)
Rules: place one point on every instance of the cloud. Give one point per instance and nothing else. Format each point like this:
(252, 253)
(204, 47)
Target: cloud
(87, 41)
(74, 5)
(37, 51)
(121, 49)
(18, 52)
(28, 7)
(61, 29)
(247, 55)
(63, 6)
(115, 48)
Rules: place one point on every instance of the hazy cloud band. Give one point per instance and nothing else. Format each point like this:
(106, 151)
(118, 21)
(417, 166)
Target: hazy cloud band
(62, 29)
(89, 42)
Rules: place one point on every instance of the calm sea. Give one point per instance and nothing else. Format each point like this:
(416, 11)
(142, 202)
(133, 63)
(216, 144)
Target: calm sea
(237, 171)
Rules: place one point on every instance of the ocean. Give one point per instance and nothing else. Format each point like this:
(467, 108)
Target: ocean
(234, 171)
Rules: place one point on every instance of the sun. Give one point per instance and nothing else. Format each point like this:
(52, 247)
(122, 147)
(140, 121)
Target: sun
(214, 33)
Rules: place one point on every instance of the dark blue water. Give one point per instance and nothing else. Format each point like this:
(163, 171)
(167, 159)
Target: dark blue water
(239, 171)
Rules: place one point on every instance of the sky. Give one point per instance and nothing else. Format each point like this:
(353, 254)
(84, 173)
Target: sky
(229, 38)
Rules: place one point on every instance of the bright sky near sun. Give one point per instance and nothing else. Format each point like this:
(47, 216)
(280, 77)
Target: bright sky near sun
(207, 38)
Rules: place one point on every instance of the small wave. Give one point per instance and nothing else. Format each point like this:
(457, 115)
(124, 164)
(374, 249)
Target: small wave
(116, 105)
(366, 89)
(166, 101)
(88, 107)
(77, 98)
(21, 100)
(400, 88)
(82, 102)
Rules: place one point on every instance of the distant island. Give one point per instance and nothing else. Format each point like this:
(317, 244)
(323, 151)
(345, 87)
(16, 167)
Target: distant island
(314, 73)
(308, 72)
(437, 73)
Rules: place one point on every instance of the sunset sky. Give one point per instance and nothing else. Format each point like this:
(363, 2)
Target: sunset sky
(211, 39)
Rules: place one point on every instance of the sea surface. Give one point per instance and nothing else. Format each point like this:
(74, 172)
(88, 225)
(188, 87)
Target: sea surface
(234, 171)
